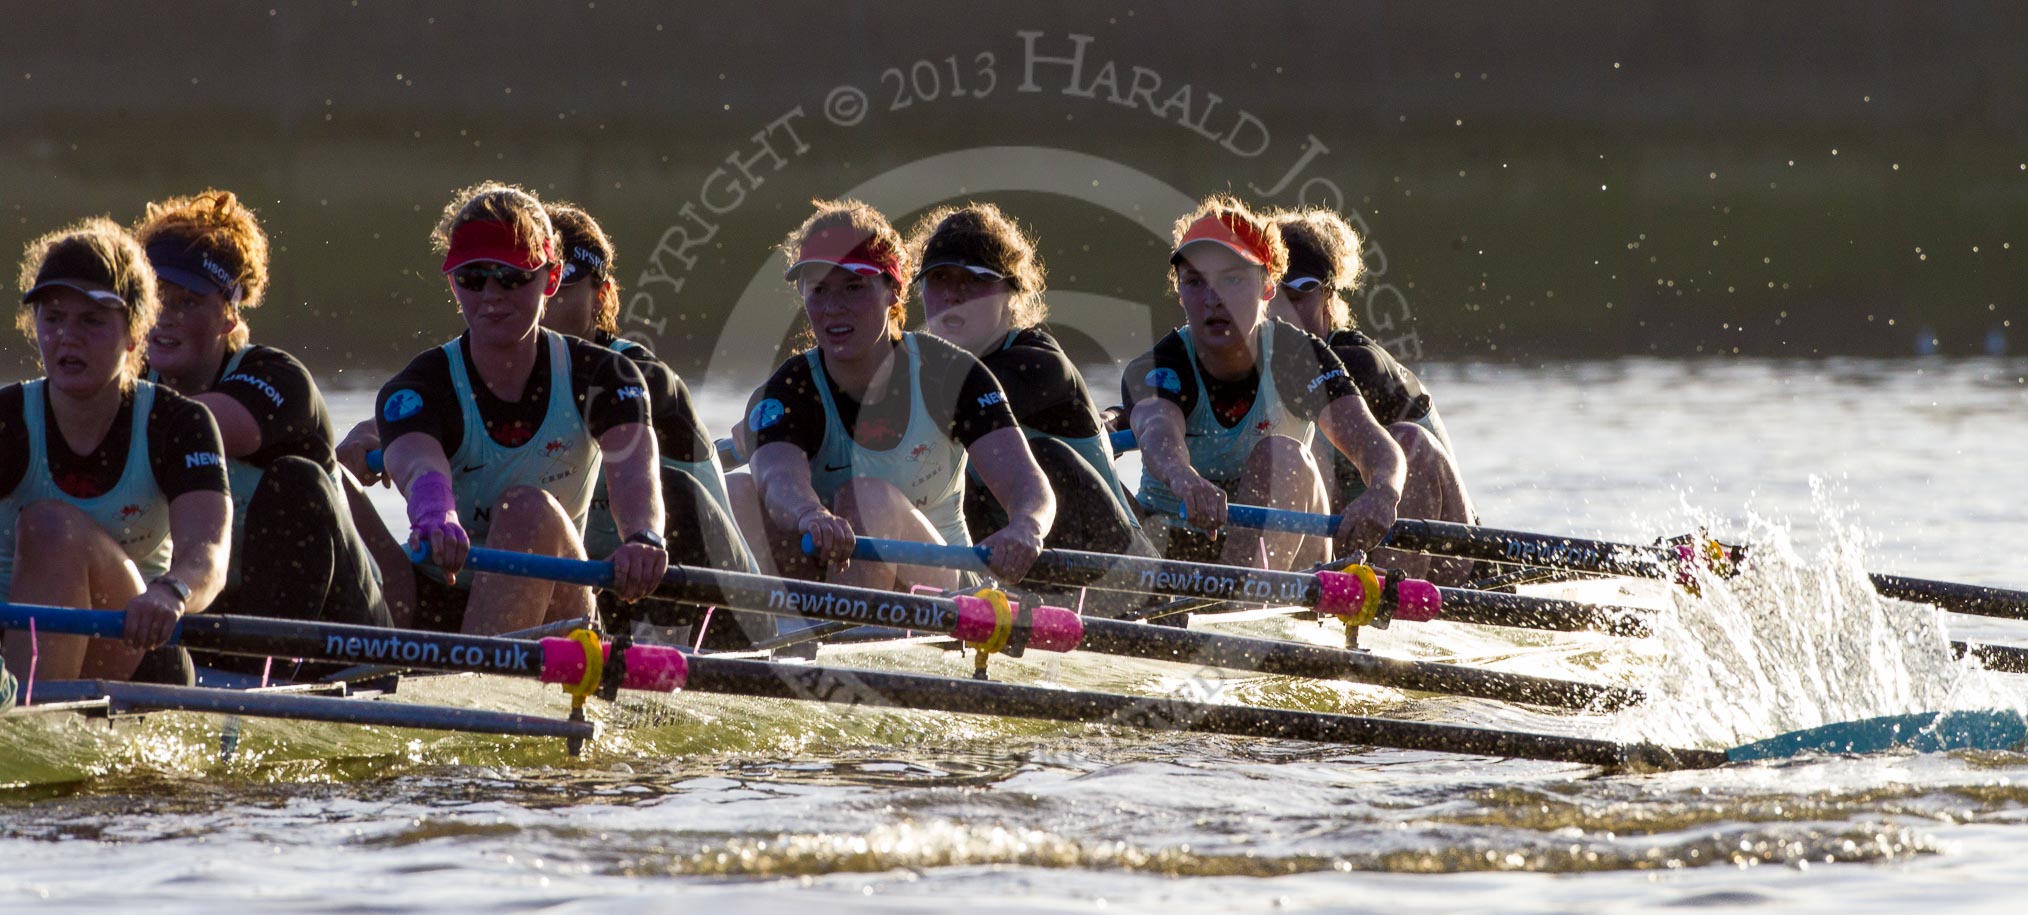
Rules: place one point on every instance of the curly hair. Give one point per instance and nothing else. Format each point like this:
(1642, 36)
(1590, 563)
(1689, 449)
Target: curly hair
(102, 244)
(498, 202)
(216, 221)
(1234, 212)
(1323, 240)
(861, 219)
(577, 228)
(982, 232)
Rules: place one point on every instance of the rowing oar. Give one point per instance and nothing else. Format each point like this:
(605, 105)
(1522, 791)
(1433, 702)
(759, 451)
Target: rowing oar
(1924, 732)
(1636, 560)
(979, 621)
(729, 455)
(569, 661)
(1342, 593)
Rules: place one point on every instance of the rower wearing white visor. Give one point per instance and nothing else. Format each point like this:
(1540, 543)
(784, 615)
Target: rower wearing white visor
(697, 520)
(981, 283)
(1324, 266)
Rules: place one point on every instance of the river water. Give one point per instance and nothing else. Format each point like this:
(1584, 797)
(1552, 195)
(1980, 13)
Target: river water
(1828, 468)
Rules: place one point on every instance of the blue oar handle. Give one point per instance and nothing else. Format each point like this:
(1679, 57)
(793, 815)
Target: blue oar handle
(99, 624)
(1281, 519)
(909, 552)
(728, 454)
(596, 573)
(376, 461)
(1123, 441)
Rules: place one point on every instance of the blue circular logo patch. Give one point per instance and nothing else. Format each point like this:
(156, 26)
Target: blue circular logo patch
(1167, 380)
(765, 414)
(401, 405)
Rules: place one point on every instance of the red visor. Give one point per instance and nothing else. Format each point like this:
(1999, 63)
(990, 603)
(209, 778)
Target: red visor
(847, 248)
(491, 240)
(1230, 231)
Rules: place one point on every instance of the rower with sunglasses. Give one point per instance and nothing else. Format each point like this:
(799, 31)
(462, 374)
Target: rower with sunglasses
(697, 518)
(981, 283)
(1324, 264)
(496, 437)
(1225, 407)
(296, 551)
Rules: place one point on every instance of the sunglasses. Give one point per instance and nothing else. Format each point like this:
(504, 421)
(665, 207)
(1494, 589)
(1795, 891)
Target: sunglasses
(1303, 283)
(473, 277)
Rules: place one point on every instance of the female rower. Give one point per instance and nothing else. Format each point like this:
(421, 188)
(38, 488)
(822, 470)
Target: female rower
(870, 430)
(981, 285)
(1224, 407)
(1324, 264)
(99, 470)
(697, 518)
(296, 552)
(495, 437)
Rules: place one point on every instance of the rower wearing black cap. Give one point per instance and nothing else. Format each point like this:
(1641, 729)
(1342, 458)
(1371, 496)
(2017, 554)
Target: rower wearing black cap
(497, 437)
(870, 430)
(698, 523)
(296, 551)
(1324, 264)
(981, 283)
(112, 489)
(1225, 407)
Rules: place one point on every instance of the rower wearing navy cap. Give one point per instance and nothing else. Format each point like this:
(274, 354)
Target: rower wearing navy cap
(1224, 408)
(1324, 265)
(496, 437)
(296, 551)
(112, 489)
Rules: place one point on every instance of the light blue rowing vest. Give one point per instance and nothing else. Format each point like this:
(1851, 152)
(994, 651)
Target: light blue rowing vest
(601, 533)
(134, 511)
(1218, 453)
(928, 466)
(561, 458)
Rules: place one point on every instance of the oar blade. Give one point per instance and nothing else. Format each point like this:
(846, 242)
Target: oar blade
(1922, 732)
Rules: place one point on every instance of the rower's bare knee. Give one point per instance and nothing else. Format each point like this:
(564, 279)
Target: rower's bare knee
(50, 527)
(528, 508)
(1282, 469)
(865, 499)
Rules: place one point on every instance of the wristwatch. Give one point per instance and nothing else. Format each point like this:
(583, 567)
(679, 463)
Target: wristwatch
(174, 584)
(650, 538)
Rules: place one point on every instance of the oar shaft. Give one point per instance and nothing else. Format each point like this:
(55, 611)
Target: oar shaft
(864, 606)
(1296, 659)
(880, 689)
(1142, 575)
(1113, 572)
(649, 667)
(253, 704)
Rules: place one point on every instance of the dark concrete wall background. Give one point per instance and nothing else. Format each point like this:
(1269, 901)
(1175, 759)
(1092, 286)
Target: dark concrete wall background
(1540, 180)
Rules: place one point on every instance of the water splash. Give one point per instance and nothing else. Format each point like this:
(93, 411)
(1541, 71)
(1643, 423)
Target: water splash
(1794, 642)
